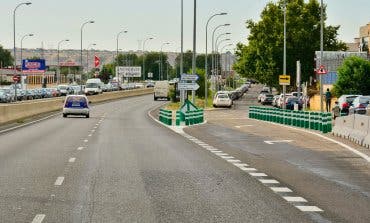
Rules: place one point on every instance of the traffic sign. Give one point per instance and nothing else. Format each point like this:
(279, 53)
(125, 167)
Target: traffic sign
(322, 70)
(188, 86)
(189, 77)
(284, 80)
(16, 78)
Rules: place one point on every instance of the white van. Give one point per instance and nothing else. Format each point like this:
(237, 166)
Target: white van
(161, 90)
(93, 86)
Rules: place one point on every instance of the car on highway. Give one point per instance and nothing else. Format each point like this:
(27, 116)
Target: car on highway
(222, 100)
(76, 105)
(345, 101)
(94, 86)
(64, 89)
(359, 105)
(267, 99)
(161, 90)
(291, 101)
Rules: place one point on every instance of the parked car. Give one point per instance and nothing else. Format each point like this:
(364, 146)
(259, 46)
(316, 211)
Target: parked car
(291, 101)
(149, 85)
(64, 89)
(345, 101)
(275, 100)
(76, 105)
(263, 92)
(359, 105)
(4, 96)
(222, 100)
(267, 99)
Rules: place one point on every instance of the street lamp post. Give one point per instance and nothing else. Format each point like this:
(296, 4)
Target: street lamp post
(160, 61)
(206, 60)
(117, 38)
(217, 44)
(194, 47)
(15, 53)
(321, 52)
(213, 46)
(58, 65)
(82, 67)
(22, 80)
(284, 57)
(144, 55)
(220, 62)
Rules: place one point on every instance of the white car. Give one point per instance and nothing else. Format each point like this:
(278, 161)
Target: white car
(222, 100)
(76, 105)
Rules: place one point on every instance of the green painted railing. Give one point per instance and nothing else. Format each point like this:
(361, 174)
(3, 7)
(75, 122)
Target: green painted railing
(165, 116)
(190, 117)
(320, 121)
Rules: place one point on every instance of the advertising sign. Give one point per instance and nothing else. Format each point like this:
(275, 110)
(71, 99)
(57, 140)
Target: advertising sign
(33, 66)
(129, 71)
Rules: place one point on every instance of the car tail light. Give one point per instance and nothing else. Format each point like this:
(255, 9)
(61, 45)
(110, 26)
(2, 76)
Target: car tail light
(361, 106)
(345, 105)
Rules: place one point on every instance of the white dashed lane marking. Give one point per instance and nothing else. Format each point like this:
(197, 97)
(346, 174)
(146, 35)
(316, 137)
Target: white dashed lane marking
(295, 199)
(266, 181)
(59, 181)
(253, 171)
(80, 148)
(309, 208)
(281, 189)
(72, 160)
(86, 140)
(38, 218)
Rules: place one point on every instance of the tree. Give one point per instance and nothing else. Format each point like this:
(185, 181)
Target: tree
(353, 77)
(262, 57)
(188, 62)
(6, 58)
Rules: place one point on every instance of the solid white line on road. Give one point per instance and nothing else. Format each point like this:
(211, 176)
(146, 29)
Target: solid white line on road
(241, 164)
(241, 126)
(59, 181)
(80, 148)
(233, 161)
(309, 208)
(281, 189)
(267, 181)
(72, 160)
(38, 218)
(247, 169)
(295, 199)
(258, 174)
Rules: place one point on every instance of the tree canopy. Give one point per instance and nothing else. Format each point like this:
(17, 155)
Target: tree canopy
(6, 58)
(353, 77)
(262, 57)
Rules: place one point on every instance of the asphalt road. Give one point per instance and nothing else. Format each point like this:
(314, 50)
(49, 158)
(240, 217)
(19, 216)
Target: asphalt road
(121, 166)
(325, 174)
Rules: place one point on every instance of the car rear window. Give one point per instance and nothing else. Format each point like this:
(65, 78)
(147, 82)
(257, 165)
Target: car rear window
(76, 101)
(223, 96)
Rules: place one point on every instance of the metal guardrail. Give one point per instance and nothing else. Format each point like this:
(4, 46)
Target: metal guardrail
(165, 116)
(303, 119)
(190, 117)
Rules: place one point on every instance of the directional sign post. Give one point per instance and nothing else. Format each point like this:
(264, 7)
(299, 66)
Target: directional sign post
(189, 77)
(188, 86)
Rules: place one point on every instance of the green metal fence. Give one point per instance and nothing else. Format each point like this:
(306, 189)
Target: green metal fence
(320, 121)
(165, 116)
(190, 117)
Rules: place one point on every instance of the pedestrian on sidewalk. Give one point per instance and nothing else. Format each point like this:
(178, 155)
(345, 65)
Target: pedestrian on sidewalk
(328, 100)
(336, 110)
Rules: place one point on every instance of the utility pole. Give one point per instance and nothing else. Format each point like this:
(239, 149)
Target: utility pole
(194, 46)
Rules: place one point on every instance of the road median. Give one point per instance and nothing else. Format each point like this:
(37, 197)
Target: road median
(15, 112)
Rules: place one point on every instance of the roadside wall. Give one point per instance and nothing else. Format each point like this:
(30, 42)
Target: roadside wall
(14, 112)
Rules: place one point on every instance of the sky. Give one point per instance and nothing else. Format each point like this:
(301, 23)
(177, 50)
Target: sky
(53, 20)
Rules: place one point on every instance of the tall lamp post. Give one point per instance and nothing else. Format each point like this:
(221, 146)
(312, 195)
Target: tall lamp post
(58, 75)
(117, 38)
(160, 61)
(321, 52)
(15, 53)
(150, 38)
(284, 57)
(213, 45)
(87, 55)
(206, 61)
(22, 80)
(82, 67)
(222, 49)
(217, 44)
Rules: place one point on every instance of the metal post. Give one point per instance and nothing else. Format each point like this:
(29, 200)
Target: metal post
(321, 53)
(117, 49)
(284, 65)
(206, 60)
(58, 65)
(82, 67)
(14, 49)
(299, 78)
(22, 80)
(194, 46)
(182, 93)
(144, 56)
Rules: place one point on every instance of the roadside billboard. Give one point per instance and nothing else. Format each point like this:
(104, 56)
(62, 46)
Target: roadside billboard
(33, 66)
(128, 71)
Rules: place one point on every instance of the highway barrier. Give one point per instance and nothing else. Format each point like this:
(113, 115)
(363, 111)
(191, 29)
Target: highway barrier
(189, 117)
(165, 116)
(302, 119)
(353, 127)
(19, 111)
